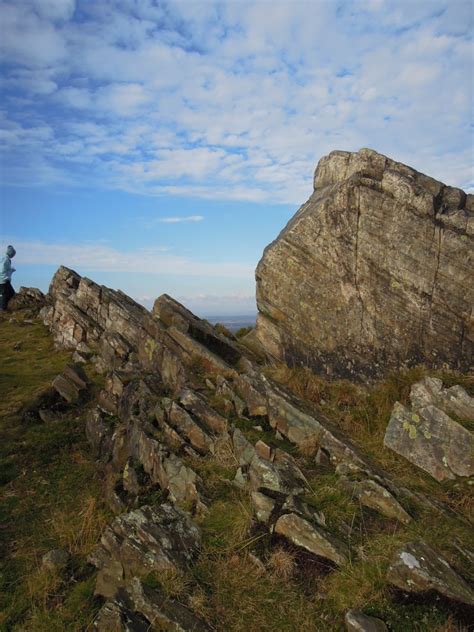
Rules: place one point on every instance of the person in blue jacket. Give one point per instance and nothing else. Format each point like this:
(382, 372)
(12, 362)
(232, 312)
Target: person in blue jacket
(6, 271)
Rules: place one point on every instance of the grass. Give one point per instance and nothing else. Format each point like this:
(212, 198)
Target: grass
(50, 495)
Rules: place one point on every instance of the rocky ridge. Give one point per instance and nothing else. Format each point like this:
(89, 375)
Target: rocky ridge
(373, 273)
(174, 392)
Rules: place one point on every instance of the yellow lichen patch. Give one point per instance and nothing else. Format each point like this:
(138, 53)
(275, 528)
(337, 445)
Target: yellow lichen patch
(150, 346)
(412, 432)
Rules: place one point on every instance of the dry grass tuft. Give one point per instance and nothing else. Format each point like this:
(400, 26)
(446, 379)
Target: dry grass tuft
(224, 453)
(79, 531)
(309, 447)
(281, 563)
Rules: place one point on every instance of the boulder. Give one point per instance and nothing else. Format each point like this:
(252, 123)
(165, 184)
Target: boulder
(373, 273)
(152, 538)
(432, 441)
(177, 317)
(417, 568)
(186, 427)
(293, 419)
(198, 406)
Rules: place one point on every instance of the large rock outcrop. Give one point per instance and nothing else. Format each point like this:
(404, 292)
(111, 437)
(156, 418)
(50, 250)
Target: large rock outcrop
(374, 272)
(183, 410)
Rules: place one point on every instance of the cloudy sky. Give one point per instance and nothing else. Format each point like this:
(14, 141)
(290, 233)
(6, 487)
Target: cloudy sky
(159, 146)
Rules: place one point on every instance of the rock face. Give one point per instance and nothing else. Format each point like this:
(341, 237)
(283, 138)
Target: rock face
(374, 272)
(427, 436)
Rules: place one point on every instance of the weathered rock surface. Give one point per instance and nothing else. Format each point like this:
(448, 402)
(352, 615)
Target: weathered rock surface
(27, 298)
(70, 383)
(137, 605)
(357, 621)
(453, 401)
(431, 440)
(157, 538)
(372, 495)
(416, 567)
(312, 538)
(373, 272)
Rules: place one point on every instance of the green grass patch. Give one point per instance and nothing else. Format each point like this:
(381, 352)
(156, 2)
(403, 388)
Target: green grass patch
(50, 494)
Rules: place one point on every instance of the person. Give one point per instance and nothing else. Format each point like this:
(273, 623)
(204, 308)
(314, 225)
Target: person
(6, 271)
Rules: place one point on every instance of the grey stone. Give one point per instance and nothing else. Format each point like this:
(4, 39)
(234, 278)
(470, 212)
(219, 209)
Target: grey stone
(454, 400)
(431, 440)
(70, 383)
(357, 621)
(375, 496)
(313, 538)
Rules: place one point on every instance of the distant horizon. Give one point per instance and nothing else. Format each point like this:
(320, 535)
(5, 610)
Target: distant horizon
(160, 147)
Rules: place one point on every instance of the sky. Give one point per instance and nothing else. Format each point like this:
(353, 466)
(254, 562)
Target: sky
(160, 146)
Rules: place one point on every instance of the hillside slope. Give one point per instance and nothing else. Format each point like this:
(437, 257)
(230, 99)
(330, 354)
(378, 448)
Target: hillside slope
(246, 497)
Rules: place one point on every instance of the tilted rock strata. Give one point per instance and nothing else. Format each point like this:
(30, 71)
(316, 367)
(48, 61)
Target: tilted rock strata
(173, 393)
(374, 272)
(159, 538)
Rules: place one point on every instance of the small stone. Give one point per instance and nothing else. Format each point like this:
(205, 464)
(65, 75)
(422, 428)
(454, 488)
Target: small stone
(47, 416)
(263, 506)
(322, 458)
(314, 539)
(70, 383)
(55, 560)
(357, 621)
(263, 450)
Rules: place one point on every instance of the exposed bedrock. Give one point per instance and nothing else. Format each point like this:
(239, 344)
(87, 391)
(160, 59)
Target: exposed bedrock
(373, 273)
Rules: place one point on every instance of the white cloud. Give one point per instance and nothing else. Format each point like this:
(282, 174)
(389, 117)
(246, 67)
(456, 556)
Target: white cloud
(89, 257)
(179, 219)
(219, 101)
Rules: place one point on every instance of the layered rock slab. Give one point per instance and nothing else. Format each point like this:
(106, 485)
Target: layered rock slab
(417, 568)
(152, 538)
(427, 436)
(374, 272)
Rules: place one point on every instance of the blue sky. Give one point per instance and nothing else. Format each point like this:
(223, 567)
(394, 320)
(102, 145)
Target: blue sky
(160, 146)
